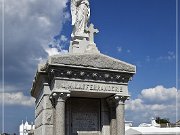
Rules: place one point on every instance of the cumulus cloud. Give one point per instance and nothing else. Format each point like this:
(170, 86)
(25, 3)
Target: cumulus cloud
(32, 21)
(159, 94)
(17, 98)
(152, 102)
(30, 26)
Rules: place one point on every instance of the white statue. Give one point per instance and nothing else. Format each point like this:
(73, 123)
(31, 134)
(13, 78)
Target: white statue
(80, 12)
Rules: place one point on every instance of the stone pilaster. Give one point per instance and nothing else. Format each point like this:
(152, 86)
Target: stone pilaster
(58, 99)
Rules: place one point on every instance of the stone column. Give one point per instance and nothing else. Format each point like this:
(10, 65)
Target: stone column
(120, 129)
(116, 104)
(59, 100)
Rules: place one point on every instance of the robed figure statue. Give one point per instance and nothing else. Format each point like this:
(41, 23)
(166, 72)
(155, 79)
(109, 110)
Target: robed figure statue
(80, 12)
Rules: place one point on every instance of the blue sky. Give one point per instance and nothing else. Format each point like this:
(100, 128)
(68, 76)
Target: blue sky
(140, 32)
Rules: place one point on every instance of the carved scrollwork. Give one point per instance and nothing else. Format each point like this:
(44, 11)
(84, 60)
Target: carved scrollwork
(82, 73)
(106, 76)
(58, 97)
(116, 100)
(69, 72)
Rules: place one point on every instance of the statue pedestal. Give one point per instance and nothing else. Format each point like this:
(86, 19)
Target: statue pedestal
(84, 43)
(82, 46)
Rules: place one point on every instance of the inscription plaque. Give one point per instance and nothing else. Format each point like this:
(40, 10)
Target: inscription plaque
(84, 122)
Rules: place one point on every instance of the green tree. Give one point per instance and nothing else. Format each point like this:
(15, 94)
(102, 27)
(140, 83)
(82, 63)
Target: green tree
(160, 120)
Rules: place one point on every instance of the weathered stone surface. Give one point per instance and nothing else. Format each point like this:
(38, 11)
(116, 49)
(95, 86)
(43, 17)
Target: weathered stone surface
(44, 104)
(40, 88)
(44, 130)
(91, 60)
(44, 118)
(120, 118)
(38, 131)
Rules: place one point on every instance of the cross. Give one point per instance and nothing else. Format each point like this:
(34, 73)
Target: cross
(91, 30)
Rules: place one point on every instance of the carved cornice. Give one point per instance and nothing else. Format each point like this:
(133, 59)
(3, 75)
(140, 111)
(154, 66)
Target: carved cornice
(90, 75)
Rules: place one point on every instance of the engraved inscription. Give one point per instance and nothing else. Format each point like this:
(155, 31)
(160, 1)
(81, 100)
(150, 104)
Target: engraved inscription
(87, 121)
(91, 87)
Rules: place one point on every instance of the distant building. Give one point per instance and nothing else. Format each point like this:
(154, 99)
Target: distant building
(153, 124)
(151, 129)
(26, 129)
(178, 123)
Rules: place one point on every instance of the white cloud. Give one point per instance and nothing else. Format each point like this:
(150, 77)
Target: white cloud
(159, 93)
(63, 38)
(52, 51)
(56, 46)
(128, 51)
(34, 20)
(17, 98)
(119, 49)
(148, 59)
(169, 57)
(152, 102)
(30, 25)
(134, 105)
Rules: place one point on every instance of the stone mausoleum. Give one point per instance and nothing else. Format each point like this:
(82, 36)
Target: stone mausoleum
(82, 92)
